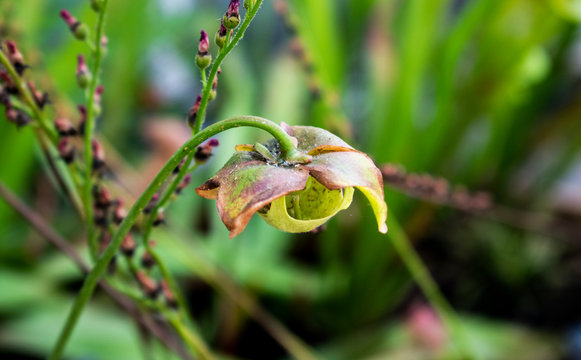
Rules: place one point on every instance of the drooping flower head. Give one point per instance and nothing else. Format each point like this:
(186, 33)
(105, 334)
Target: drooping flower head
(294, 197)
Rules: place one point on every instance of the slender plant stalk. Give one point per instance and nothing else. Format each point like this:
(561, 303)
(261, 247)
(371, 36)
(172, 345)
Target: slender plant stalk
(423, 278)
(90, 282)
(89, 128)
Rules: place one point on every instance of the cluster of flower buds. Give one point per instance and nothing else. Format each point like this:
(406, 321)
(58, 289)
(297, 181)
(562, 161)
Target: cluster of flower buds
(204, 151)
(106, 208)
(203, 57)
(79, 30)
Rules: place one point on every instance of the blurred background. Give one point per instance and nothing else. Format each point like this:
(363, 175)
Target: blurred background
(485, 94)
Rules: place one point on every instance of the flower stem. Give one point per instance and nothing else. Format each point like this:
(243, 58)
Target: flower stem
(424, 280)
(216, 65)
(188, 148)
(89, 129)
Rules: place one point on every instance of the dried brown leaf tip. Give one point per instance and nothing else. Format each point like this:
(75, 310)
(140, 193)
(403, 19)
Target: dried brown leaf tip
(294, 197)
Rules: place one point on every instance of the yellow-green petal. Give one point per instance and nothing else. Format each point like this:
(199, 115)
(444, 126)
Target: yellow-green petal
(307, 209)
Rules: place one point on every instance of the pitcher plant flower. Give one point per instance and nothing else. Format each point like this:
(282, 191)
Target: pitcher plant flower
(294, 196)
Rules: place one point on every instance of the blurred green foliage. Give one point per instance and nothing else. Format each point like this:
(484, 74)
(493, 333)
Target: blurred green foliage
(483, 93)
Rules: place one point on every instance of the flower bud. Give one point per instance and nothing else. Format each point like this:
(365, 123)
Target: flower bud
(147, 260)
(159, 219)
(102, 197)
(177, 169)
(97, 5)
(152, 203)
(104, 43)
(79, 30)
(232, 17)
(169, 296)
(66, 150)
(98, 157)
(64, 127)
(83, 120)
(10, 86)
(221, 35)
(100, 218)
(128, 245)
(119, 213)
(213, 90)
(203, 57)
(83, 75)
(16, 116)
(15, 57)
(193, 114)
(97, 99)
(4, 96)
(204, 151)
(148, 285)
(184, 184)
(40, 98)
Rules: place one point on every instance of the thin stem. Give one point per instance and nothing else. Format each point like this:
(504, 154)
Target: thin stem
(216, 65)
(101, 265)
(424, 279)
(89, 128)
(193, 341)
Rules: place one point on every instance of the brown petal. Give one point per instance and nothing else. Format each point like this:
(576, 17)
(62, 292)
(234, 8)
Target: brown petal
(311, 137)
(337, 170)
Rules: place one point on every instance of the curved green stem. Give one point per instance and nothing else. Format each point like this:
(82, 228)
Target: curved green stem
(189, 147)
(89, 128)
(216, 65)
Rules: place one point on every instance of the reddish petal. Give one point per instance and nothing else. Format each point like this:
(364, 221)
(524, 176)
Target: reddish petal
(244, 187)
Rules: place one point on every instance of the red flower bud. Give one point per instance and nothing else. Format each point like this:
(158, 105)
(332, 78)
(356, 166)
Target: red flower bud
(193, 114)
(64, 127)
(79, 30)
(66, 150)
(15, 57)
